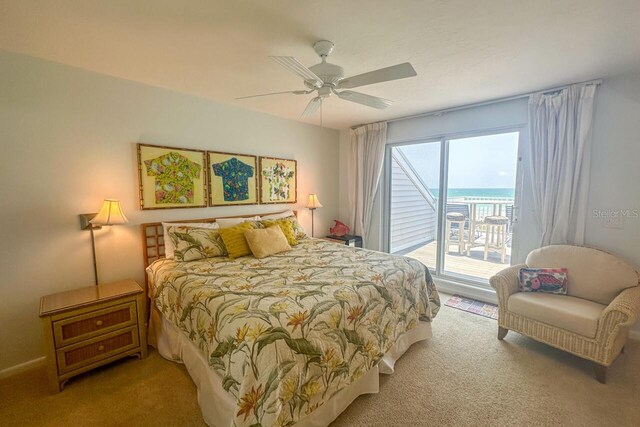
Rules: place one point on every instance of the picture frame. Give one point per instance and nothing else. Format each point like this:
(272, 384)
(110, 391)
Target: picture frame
(233, 178)
(171, 177)
(278, 180)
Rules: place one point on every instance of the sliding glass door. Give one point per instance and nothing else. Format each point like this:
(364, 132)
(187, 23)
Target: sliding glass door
(452, 203)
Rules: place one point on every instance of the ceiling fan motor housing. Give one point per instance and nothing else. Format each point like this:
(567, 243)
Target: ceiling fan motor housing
(330, 74)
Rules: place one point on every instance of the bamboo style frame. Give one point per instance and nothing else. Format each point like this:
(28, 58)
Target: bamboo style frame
(205, 185)
(207, 179)
(295, 181)
(210, 179)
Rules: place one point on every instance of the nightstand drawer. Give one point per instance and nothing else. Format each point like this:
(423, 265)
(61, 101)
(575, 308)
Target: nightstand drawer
(84, 326)
(87, 352)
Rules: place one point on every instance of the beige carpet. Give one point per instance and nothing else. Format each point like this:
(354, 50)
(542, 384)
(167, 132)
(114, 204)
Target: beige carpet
(462, 377)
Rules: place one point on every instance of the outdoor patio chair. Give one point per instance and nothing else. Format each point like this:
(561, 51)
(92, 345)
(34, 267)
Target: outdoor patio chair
(459, 208)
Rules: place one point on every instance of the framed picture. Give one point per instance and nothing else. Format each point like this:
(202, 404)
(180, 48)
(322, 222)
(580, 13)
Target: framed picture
(233, 179)
(278, 180)
(171, 177)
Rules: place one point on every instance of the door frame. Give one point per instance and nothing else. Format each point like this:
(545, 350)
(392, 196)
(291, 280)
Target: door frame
(444, 140)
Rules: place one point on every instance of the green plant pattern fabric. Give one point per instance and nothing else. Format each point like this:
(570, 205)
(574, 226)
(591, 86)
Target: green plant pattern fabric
(192, 243)
(287, 332)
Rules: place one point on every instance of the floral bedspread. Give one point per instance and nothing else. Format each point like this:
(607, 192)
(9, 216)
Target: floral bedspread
(288, 332)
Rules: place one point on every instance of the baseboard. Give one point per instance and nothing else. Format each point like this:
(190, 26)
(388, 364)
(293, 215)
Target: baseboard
(469, 291)
(23, 367)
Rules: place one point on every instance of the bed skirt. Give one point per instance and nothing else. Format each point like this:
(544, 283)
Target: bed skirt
(218, 406)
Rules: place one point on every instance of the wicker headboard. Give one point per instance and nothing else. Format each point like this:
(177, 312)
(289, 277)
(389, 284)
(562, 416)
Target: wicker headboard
(153, 236)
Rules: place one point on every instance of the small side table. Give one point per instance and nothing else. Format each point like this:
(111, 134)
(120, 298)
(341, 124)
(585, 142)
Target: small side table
(347, 239)
(90, 327)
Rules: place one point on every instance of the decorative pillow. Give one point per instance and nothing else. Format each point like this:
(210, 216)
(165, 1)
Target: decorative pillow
(287, 228)
(168, 244)
(232, 222)
(267, 241)
(234, 240)
(191, 243)
(297, 228)
(548, 280)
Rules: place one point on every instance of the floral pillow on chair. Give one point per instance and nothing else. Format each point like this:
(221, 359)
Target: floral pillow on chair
(547, 280)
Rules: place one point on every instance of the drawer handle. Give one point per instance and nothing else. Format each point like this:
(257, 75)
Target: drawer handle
(100, 347)
(99, 323)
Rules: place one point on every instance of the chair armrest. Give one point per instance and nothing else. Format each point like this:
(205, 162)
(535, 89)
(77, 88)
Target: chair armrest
(624, 310)
(506, 283)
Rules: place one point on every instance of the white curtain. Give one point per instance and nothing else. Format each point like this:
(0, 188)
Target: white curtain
(365, 166)
(560, 132)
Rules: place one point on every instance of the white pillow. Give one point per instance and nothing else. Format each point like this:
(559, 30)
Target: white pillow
(285, 214)
(231, 222)
(168, 244)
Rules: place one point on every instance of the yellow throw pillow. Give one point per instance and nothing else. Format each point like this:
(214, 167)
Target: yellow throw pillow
(286, 226)
(234, 240)
(267, 241)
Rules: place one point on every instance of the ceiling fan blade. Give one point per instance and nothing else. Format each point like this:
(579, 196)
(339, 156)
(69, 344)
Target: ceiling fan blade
(293, 65)
(312, 107)
(395, 72)
(295, 92)
(364, 99)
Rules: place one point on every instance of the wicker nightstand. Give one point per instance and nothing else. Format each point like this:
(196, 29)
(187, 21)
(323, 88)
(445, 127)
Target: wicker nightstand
(89, 327)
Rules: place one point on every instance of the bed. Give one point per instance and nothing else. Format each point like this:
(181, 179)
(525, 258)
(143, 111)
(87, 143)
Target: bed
(291, 339)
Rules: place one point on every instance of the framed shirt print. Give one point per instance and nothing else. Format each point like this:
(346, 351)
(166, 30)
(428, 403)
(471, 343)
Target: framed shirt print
(171, 177)
(278, 180)
(233, 179)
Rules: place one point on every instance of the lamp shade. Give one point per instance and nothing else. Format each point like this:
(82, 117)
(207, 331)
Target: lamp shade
(313, 202)
(110, 214)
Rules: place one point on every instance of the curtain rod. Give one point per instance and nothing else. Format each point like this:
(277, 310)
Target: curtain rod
(482, 103)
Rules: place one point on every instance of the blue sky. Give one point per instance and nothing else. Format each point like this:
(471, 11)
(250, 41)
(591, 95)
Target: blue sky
(478, 162)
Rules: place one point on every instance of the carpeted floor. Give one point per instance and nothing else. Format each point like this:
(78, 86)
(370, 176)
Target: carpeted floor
(463, 376)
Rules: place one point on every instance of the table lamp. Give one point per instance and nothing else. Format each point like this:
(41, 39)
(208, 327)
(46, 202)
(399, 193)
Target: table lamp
(312, 204)
(110, 214)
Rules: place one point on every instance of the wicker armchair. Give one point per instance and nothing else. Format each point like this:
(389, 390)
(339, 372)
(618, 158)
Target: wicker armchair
(592, 321)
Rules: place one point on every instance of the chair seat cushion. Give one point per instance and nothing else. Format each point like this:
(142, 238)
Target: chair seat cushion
(454, 216)
(572, 314)
(496, 220)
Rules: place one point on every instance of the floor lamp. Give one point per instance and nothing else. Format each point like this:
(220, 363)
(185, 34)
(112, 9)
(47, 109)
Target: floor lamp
(312, 204)
(110, 214)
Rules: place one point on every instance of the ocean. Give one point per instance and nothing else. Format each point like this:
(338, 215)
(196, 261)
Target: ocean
(477, 192)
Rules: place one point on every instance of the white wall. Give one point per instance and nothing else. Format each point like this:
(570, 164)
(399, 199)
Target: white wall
(67, 140)
(615, 166)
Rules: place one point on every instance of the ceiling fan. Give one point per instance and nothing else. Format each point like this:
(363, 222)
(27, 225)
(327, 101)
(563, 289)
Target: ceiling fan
(326, 79)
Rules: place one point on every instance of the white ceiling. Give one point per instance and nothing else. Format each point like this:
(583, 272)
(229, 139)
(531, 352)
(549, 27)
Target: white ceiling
(463, 50)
